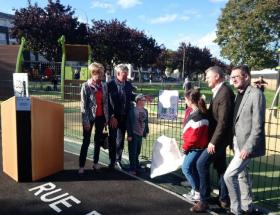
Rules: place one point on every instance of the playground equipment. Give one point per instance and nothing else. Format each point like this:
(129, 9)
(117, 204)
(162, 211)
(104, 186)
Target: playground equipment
(275, 102)
(275, 108)
(74, 67)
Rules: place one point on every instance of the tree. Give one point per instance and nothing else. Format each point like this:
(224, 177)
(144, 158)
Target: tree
(248, 32)
(196, 60)
(114, 42)
(144, 50)
(216, 62)
(110, 41)
(43, 27)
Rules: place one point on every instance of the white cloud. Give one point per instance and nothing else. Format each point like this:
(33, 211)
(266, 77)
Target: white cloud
(128, 3)
(99, 4)
(192, 13)
(164, 19)
(207, 40)
(82, 19)
(111, 7)
(184, 18)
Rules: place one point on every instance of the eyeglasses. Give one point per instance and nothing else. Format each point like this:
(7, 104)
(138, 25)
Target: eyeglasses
(236, 76)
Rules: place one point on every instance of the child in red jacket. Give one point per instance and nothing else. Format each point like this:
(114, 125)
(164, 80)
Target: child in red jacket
(195, 137)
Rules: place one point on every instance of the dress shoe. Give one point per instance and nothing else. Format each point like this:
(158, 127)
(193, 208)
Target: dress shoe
(111, 166)
(131, 172)
(199, 207)
(224, 204)
(248, 212)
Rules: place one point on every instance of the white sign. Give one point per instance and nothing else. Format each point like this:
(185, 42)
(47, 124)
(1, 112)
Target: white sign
(168, 104)
(20, 81)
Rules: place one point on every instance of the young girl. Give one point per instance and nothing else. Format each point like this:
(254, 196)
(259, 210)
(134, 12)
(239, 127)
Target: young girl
(195, 137)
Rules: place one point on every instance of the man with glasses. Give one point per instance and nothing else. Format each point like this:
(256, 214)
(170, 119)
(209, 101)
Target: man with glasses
(248, 140)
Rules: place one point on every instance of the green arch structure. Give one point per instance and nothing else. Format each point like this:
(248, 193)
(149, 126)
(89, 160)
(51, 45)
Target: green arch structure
(20, 55)
(61, 42)
(278, 52)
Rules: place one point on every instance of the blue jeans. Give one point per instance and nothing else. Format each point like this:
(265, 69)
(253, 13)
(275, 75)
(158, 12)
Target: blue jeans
(134, 149)
(189, 168)
(203, 167)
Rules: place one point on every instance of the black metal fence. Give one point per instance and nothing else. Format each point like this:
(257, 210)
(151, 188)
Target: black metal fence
(265, 171)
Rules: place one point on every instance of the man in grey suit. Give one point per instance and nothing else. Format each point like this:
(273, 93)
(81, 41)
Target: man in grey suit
(248, 140)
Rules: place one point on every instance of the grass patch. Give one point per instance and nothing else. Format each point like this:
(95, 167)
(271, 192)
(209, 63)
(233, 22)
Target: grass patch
(150, 89)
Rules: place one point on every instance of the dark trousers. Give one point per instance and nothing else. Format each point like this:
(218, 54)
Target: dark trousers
(134, 149)
(99, 123)
(116, 141)
(203, 167)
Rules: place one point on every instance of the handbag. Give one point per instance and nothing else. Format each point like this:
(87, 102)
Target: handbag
(105, 138)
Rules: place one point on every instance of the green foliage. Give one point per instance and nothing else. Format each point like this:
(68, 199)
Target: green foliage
(248, 32)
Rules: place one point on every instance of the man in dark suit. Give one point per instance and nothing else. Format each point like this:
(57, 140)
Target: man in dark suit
(220, 115)
(120, 96)
(248, 140)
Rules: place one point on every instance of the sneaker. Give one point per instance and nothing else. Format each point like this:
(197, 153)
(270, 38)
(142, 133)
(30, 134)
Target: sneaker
(96, 166)
(196, 197)
(81, 170)
(119, 165)
(199, 207)
(189, 195)
(192, 196)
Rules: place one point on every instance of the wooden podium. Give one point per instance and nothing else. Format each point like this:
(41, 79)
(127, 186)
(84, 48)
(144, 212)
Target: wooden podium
(32, 141)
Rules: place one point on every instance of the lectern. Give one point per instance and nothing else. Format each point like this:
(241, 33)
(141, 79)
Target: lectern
(32, 140)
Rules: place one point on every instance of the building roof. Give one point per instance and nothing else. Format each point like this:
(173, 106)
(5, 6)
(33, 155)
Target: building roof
(6, 15)
(264, 72)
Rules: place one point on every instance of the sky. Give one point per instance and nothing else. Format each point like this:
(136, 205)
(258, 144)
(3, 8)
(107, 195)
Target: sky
(169, 22)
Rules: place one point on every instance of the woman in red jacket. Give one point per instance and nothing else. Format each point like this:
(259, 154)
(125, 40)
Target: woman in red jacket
(195, 137)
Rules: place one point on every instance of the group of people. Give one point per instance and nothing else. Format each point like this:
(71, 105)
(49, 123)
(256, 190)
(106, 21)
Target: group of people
(112, 105)
(235, 121)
